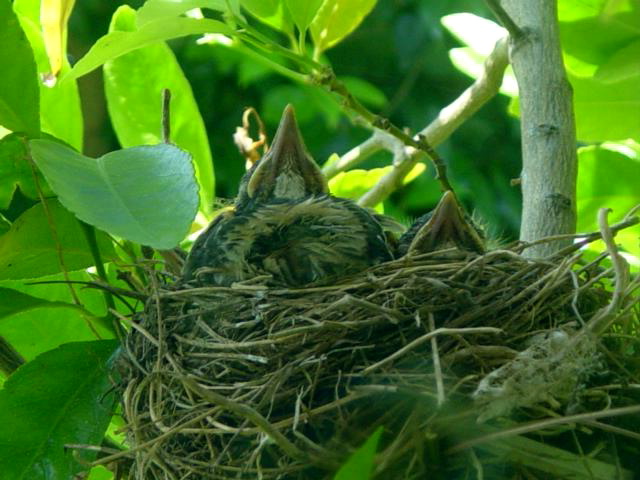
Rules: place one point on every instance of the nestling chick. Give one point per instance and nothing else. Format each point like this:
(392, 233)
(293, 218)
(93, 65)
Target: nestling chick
(286, 225)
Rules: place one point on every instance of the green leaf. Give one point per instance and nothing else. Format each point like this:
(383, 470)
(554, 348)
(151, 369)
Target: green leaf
(607, 177)
(133, 86)
(359, 466)
(100, 473)
(30, 250)
(5, 225)
(60, 109)
(57, 399)
(606, 111)
(35, 331)
(336, 19)
(19, 100)
(480, 35)
(594, 39)
(12, 302)
(270, 12)
(303, 12)
(121, 192)
(114, 44)
(157, 9)
(364, 91)
(15, 170)
(355, 183)
(623, 65)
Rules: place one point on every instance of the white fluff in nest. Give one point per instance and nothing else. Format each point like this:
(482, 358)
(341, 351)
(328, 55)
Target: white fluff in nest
(548, 371)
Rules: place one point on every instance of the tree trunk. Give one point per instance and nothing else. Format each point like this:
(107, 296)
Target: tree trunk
(549, 164)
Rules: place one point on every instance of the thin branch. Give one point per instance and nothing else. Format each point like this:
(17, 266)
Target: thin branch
(542, 424)
(515, 32)
(166, 115)
(449, 119)
(379, 140)
(327, 79)
(437, 369)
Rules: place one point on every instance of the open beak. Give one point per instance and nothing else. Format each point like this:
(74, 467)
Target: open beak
(447, 227)
(286, 171)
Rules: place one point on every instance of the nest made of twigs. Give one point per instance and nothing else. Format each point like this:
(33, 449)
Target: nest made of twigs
(254, 382)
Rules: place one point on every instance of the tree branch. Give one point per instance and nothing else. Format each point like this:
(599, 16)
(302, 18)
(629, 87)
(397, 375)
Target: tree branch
(448, 120)
(549, 165)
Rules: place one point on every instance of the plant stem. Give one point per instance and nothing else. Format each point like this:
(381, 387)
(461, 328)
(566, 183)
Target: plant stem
(90, 234)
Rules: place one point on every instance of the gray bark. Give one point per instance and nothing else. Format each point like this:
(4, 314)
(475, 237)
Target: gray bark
(549, 164)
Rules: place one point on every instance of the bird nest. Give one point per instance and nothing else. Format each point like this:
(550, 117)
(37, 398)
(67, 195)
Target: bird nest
(455, 360)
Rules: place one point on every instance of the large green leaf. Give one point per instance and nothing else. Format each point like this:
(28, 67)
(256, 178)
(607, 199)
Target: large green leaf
(270, 12)
(13, 302)
(19, 100)
(623, 65)
(59, 398)
(145, 194)
(608, 178)
(157, 9)
(355, 183)
(114, 44)
(5, 225)
(15, 170)
(480, 35)
(60, 109)
(30, 250)
(134, 84)
(606, 111)
(33, 331)
(336, 19)
(360, 464)
(595, 38)
(304, 12)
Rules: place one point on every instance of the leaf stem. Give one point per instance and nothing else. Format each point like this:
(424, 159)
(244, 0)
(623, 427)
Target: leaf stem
(90, 234)
(166, 115)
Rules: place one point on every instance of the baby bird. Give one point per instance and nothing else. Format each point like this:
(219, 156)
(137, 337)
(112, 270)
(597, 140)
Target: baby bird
(286, 225)
(446, 226)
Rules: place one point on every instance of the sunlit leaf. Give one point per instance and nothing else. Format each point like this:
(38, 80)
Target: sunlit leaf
(59, 398)
(480, 35)
(19, 98)
(477, 32)
(120, 192)
(60, 109)
(360, 464)
(355, 183)
(608, 178)
(35, 331)
(336, 19)
(13, 302)
(54, 15)
(29, 249)
(303, 12)
(623, 65)
(114, 44)
(100, 473)
(270, 12)
(133, 86)
(606, 111)
(157, 9)
(594, 39)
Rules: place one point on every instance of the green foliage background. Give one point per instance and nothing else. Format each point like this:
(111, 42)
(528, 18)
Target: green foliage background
(406, 60)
